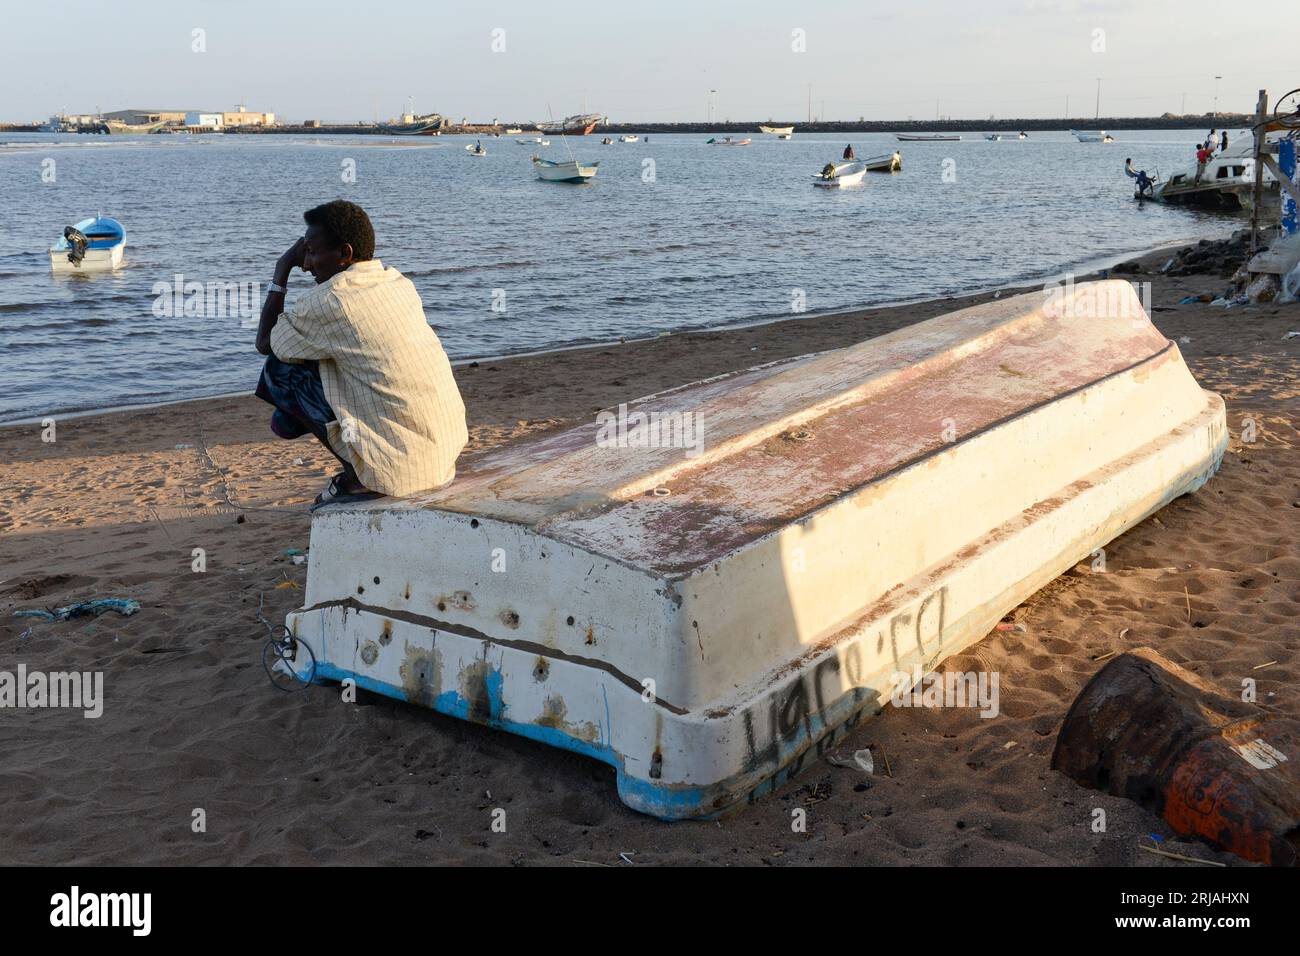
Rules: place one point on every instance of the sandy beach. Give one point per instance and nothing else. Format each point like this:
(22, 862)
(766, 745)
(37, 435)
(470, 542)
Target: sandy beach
(117, 504)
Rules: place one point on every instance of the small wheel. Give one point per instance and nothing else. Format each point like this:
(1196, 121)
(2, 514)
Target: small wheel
(1287, 110)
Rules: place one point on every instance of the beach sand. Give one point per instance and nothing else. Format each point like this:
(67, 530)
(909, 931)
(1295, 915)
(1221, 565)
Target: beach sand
(115, 507)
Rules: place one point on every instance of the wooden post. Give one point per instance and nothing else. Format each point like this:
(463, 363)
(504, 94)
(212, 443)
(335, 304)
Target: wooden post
(1257, 193)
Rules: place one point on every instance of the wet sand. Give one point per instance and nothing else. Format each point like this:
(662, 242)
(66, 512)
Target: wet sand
(115, 507)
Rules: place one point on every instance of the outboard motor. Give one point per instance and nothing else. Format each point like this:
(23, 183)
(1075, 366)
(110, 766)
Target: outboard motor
(76, 244)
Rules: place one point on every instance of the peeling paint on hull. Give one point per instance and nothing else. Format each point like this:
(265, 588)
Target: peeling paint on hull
(710, 642)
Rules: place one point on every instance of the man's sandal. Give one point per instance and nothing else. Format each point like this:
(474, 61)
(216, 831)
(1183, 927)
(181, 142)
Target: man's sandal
(335, 495)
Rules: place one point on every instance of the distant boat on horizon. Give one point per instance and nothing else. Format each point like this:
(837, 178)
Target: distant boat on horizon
(427, 124)
(580, 124)
(1092, 136)
(926, 138)
(778, 130)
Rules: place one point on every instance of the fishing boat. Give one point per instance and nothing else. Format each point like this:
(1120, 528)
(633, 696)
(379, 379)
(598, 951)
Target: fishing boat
(778, 130)
(884, 163)
(564, 172)
(784, 135)
(709, 617)
(838, 175)
(606, 142)
(577, 125)
(1227, 181)
(92, 245)
(627, 139)
(118, 128)
(994, 137)
(728, 141)
(476, 150)
(926, 138)
(1092, 136)
(411, 124)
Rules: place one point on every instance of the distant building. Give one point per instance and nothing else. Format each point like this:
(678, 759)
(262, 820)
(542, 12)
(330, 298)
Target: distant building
(238, 117)
(143, 117)
(204, 120)
(242, 117)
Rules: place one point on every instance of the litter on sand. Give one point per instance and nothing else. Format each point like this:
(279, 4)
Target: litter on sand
(124, 606)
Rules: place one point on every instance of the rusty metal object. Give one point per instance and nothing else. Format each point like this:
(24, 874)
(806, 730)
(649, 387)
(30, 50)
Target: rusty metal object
(1214, 767)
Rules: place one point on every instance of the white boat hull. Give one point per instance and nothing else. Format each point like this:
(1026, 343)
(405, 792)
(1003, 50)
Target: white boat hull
(95, 260)
(570, 172)
(707, 623)
(846, 174)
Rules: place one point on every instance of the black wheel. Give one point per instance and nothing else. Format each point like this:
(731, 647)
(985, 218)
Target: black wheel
(1287, 110)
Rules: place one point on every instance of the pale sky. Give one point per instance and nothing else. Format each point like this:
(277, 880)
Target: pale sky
(650, 60)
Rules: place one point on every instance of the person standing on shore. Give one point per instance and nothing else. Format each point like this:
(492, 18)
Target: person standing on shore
(355, 363)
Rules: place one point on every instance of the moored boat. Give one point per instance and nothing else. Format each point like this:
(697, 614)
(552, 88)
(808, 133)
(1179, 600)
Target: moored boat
(629, 138)
(838, 175)
(926, 138)
(808, 517)
(427, 124)
(728, 141)
(564, 172)
(884, 163)
(92, 245)
(778, 130)
(994, 137)
(1092, 136)
(579, 124)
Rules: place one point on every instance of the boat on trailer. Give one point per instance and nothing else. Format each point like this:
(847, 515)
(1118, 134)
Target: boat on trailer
(92, 245)
(708, 617)
(564, 172)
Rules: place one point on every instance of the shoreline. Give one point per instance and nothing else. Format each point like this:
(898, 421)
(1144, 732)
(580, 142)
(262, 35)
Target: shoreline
(1088, 268)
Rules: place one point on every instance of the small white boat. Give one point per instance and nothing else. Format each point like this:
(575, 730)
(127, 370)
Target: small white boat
(92, 245)
(1023, 136)
(606, 142)
(926, 138)
(783, 131)
(568, 172)
(884, 163)
(994, 137)
(476, 150)
(1092, 136)
(838, 175)
(728, 141)
(628, 139)
(784, 135)
(533, 141)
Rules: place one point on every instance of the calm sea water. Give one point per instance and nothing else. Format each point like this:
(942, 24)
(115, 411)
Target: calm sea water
(718, 235)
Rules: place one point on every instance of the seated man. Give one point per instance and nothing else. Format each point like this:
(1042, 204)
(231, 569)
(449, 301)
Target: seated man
(355, 363)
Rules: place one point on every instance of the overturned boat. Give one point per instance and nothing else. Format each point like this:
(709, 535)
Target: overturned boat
(705, 587)
(92, 245)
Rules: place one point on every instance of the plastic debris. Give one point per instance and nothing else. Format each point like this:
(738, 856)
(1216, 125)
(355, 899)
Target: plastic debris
(863, 759)
(124, 606)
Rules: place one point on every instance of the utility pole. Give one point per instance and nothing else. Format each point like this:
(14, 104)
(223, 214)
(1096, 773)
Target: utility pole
(810, 102)
(1098, 116)
(1216, 95)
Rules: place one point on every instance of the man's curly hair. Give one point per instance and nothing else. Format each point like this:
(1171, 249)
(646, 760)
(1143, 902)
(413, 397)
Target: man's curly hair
(344, 222)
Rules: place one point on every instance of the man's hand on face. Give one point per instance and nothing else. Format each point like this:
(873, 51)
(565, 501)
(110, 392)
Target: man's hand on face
(291, 259)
